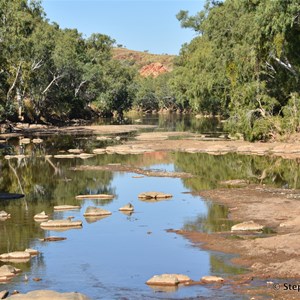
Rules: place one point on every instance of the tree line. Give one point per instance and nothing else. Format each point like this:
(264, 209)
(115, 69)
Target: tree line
(51, 74)
(243, 65)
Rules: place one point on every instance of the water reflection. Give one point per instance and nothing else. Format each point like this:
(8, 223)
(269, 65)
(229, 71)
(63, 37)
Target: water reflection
(118, 254)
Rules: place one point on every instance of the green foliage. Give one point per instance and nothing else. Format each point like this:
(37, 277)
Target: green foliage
(244, 64)
(53, 74)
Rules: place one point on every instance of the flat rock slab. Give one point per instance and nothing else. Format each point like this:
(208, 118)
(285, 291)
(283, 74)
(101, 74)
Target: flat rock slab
(48, 295)
(8, 271)
(154, 195)
(95, 196)
(168, 279)
(61, 224)
(8, 196)
(17, 255)
(66, 207)
(212, 279)
(92, 211)
(53, 239)
(41, 216)
(247, 226)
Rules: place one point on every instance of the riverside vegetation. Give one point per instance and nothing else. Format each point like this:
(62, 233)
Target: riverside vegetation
(243, 65)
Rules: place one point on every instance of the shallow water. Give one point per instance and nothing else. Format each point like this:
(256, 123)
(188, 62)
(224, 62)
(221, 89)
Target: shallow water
(112, 258)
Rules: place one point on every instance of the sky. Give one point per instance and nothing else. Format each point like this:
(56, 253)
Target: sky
(136, 24)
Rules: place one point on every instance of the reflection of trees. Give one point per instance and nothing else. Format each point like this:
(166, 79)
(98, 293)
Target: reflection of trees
(210, 169)
(221, 265)
(215, 221)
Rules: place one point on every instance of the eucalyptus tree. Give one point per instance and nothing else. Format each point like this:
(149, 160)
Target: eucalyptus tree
(244, 62)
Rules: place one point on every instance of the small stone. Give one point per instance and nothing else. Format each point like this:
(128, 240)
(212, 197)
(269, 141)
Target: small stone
(247, 226)
(36, 279)
(92, 211)
(164, 279)
(212, 279)
(127, 207)
(168, 279)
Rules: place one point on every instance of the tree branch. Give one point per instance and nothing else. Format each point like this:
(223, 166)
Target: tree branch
(79, 87)
(50, 84)
(15, 81)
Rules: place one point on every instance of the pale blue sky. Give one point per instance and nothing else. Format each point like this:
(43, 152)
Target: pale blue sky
(137, 24)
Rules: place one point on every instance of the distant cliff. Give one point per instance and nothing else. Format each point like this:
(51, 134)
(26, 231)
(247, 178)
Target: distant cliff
(148, 64)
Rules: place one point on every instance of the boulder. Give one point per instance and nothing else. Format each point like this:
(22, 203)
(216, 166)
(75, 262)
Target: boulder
(212, 279)
(48, 295)
(247, 226)
(66, 207)
(128, 208)
(95, 196)
(92, 211)
(168, 279)
(61, 224)
(154, 195)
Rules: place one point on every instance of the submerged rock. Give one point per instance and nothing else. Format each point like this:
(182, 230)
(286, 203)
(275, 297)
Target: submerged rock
(154, 195)
(247, 226)
(61, 224)
(92, 211)
(127, 208)
(49, 295)
(212, 279)
(168, 279)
